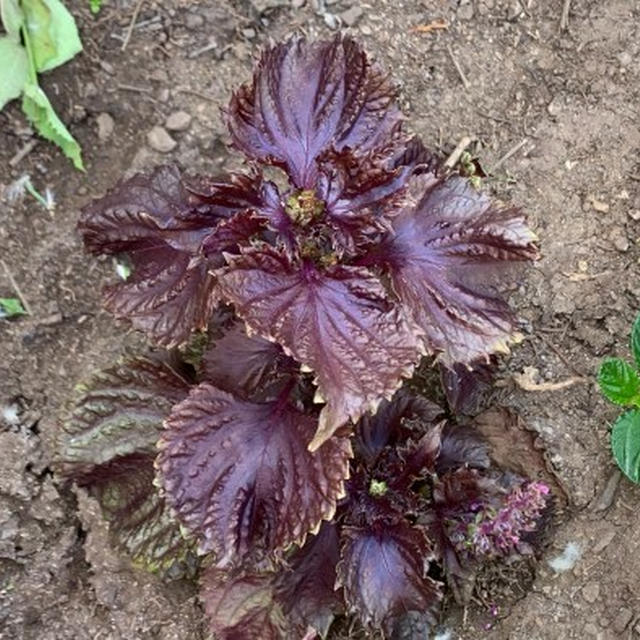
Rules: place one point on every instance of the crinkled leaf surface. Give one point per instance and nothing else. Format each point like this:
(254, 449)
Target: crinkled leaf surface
(461, 446)
(374, 433)
(161, 221)
(619, 382)
(308, 97)
(240, 476)
(38, 109)
(52, 32)
(118, 412)
(140, 522)
(383, 572)
(625, 444)
(242, 605)
(108, 446)
(243, 364)
(338, 322)
(466, 385)
(307, 589)
(14, 71)
(443, 258)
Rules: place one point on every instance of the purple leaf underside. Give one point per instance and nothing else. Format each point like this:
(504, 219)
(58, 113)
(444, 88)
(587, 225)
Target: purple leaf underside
(240, 476)
(337, 322)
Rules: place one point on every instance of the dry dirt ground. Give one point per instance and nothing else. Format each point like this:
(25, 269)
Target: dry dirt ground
(556, 115)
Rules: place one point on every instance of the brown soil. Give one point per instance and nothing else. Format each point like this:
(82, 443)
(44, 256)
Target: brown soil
(567, 99)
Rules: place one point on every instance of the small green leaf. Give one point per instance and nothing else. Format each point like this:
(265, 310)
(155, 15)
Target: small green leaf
(14, 69)
(625, 443)
(12, 17)
(10, 307)
(38, 109)
(619, 382)
(95, 5)
(635, 341)
(52, 31)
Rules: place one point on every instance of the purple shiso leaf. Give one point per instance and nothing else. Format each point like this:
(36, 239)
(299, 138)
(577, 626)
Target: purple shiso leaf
(108, 446)
(241, 605)
(141, 524)
(306, 98)
(442, 260)
(229, 234)
(462, 446)
(306, 590)
(466, 384)
(337, 322)
(240, 363)
(383, 571)
(160, 223)
(374, 433)
(240, 476)
(117, 413)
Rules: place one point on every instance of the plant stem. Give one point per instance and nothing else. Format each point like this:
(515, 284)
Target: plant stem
(33, 75)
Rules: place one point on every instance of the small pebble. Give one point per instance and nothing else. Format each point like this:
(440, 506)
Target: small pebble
(105, 126)
(623, 618)
(90, 90)
(465, 11)
(332, 21)
(107, 67)
(625, 58)
(555, 106)
(298, 4)
(634, 214)
(351, 16)
(178, 121)
(163, 95)
(619, 239)
(249, 33)
(599, 206)
(591, 592)
(160, 140)
(193, 20)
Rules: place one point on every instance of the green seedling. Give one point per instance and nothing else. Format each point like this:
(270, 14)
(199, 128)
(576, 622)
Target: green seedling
(619, 381)
(95, 5)
(40, 36)
(10, 307)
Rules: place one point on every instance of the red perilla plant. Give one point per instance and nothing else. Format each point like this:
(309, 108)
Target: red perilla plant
(289, 457)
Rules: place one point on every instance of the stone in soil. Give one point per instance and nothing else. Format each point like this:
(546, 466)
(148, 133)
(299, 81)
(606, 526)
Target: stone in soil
(105, 126)
(351, 16)
(160, 140)
(591, 592)
(178, 121)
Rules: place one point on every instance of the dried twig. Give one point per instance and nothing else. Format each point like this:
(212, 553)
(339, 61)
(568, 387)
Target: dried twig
(564, 18)
(508, 155)
(456, 64)
(526, 381)
(212, 45)
(195, 92)
(454, 156)
(16, 288)
(434, 25)
(132, 24)
(22, 153)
